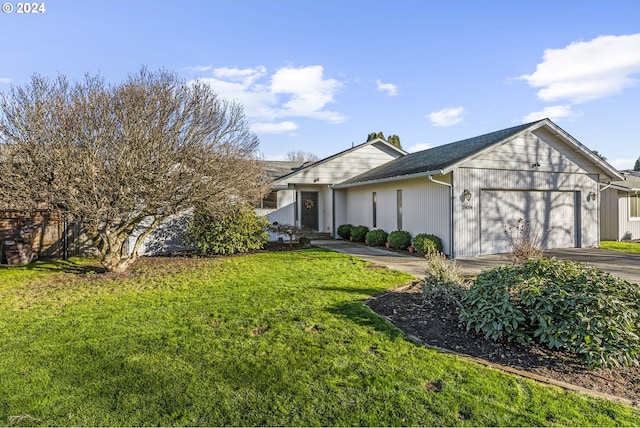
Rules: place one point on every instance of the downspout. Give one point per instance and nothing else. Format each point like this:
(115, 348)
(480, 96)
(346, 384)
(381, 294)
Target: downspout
(451, 229)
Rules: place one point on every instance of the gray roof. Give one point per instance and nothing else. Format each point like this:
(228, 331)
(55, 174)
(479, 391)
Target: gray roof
(276, 169)
(631, 182)
(437, 158)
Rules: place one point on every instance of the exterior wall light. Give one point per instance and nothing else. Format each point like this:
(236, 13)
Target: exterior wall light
(591, 196)
(467, 194)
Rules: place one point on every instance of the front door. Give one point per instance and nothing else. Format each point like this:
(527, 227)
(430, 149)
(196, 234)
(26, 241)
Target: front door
(309, 208)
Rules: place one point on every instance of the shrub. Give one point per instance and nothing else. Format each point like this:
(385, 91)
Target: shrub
(359, 233)
(237, 231)
(399, 239)
(427, 244)
(376, 238)
(561, 304)
(304, 242)
(286, 229)
(443, 279)
(344, 231)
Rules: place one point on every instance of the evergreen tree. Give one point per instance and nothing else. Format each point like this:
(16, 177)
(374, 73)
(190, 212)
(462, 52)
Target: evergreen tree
(393, 139)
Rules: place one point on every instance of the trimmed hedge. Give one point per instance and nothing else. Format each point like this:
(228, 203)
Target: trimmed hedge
(359, 233)
(376, 238)
(344, 230)
(425, 243)
(399, 239)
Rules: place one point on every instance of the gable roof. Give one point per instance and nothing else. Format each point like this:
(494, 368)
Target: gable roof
(631, 182)
(276, 169)
(441, 159)
(349, 150)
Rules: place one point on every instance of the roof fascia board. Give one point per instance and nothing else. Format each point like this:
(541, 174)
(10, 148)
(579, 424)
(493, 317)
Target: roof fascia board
(337, 155)
(609, 170)
(389, 179)
(479, 153)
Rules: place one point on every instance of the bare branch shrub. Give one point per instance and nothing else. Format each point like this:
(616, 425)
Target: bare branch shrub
(525, 242)
(111, 155)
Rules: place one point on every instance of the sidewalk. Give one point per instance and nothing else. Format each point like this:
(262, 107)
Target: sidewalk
(413, 265)
(622, 265)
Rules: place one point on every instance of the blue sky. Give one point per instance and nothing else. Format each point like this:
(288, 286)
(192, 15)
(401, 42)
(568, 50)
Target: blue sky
(320, 75)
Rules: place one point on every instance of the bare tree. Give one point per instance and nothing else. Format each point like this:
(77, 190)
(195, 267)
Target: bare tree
(114, 155)
(301, 156)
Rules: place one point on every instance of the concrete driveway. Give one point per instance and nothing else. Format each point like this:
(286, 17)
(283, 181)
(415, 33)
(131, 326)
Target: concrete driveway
(622, 265)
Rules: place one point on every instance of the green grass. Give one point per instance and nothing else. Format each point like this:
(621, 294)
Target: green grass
(267, 339)
(626, 247)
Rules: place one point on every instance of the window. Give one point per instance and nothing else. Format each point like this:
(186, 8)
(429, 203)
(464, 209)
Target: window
(270, 201)
(399, 209)
(634, 205)
(375, 209)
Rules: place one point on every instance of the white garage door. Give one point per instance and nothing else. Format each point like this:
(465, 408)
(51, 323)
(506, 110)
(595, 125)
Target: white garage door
(548, 216)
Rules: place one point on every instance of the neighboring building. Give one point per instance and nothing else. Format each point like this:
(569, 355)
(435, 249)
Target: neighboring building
(620, 208)
(471, 193)
(41, 233)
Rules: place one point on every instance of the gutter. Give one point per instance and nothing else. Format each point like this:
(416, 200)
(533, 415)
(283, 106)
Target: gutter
(387, 179)
(451, 217)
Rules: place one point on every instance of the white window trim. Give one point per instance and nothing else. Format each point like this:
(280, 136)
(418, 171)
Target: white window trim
(634, 197)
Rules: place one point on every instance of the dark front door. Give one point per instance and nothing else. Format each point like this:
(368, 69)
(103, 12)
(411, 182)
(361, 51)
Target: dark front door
(309, 208)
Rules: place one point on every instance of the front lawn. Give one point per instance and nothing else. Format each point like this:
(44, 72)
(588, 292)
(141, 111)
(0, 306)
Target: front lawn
(624, 246)
(267, 339)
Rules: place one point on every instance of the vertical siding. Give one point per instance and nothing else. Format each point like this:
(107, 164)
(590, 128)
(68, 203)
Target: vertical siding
(609, 215)
(425, 207)
(467, 215)
(341, 209)
(628, 228)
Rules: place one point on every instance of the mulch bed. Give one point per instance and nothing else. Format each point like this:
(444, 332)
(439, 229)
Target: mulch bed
(435, 323)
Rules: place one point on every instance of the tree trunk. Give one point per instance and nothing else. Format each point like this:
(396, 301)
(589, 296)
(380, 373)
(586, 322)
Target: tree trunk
(114, 258)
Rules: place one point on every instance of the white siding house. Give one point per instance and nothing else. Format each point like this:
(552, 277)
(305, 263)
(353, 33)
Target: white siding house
(620, 212)
(474, 193)
(306, 197)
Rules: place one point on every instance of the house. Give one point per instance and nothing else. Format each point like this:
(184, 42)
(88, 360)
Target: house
(473, 193)
(620, 212)
(306, 197)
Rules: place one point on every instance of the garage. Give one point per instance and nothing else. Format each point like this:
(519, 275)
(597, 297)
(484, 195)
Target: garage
(548, 217)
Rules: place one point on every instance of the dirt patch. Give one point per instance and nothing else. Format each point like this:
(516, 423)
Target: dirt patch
(435, 322)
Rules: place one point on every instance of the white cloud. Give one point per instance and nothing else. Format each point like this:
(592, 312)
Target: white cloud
(552, 112)
(389, 88)
(623, 163)
(419, 147)
(288, 92)
(5, 80)
(244, 75)
(309, 92)
(585, 71)
(198, 68)
(274, 128)
(447, 116)
(258, 102)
